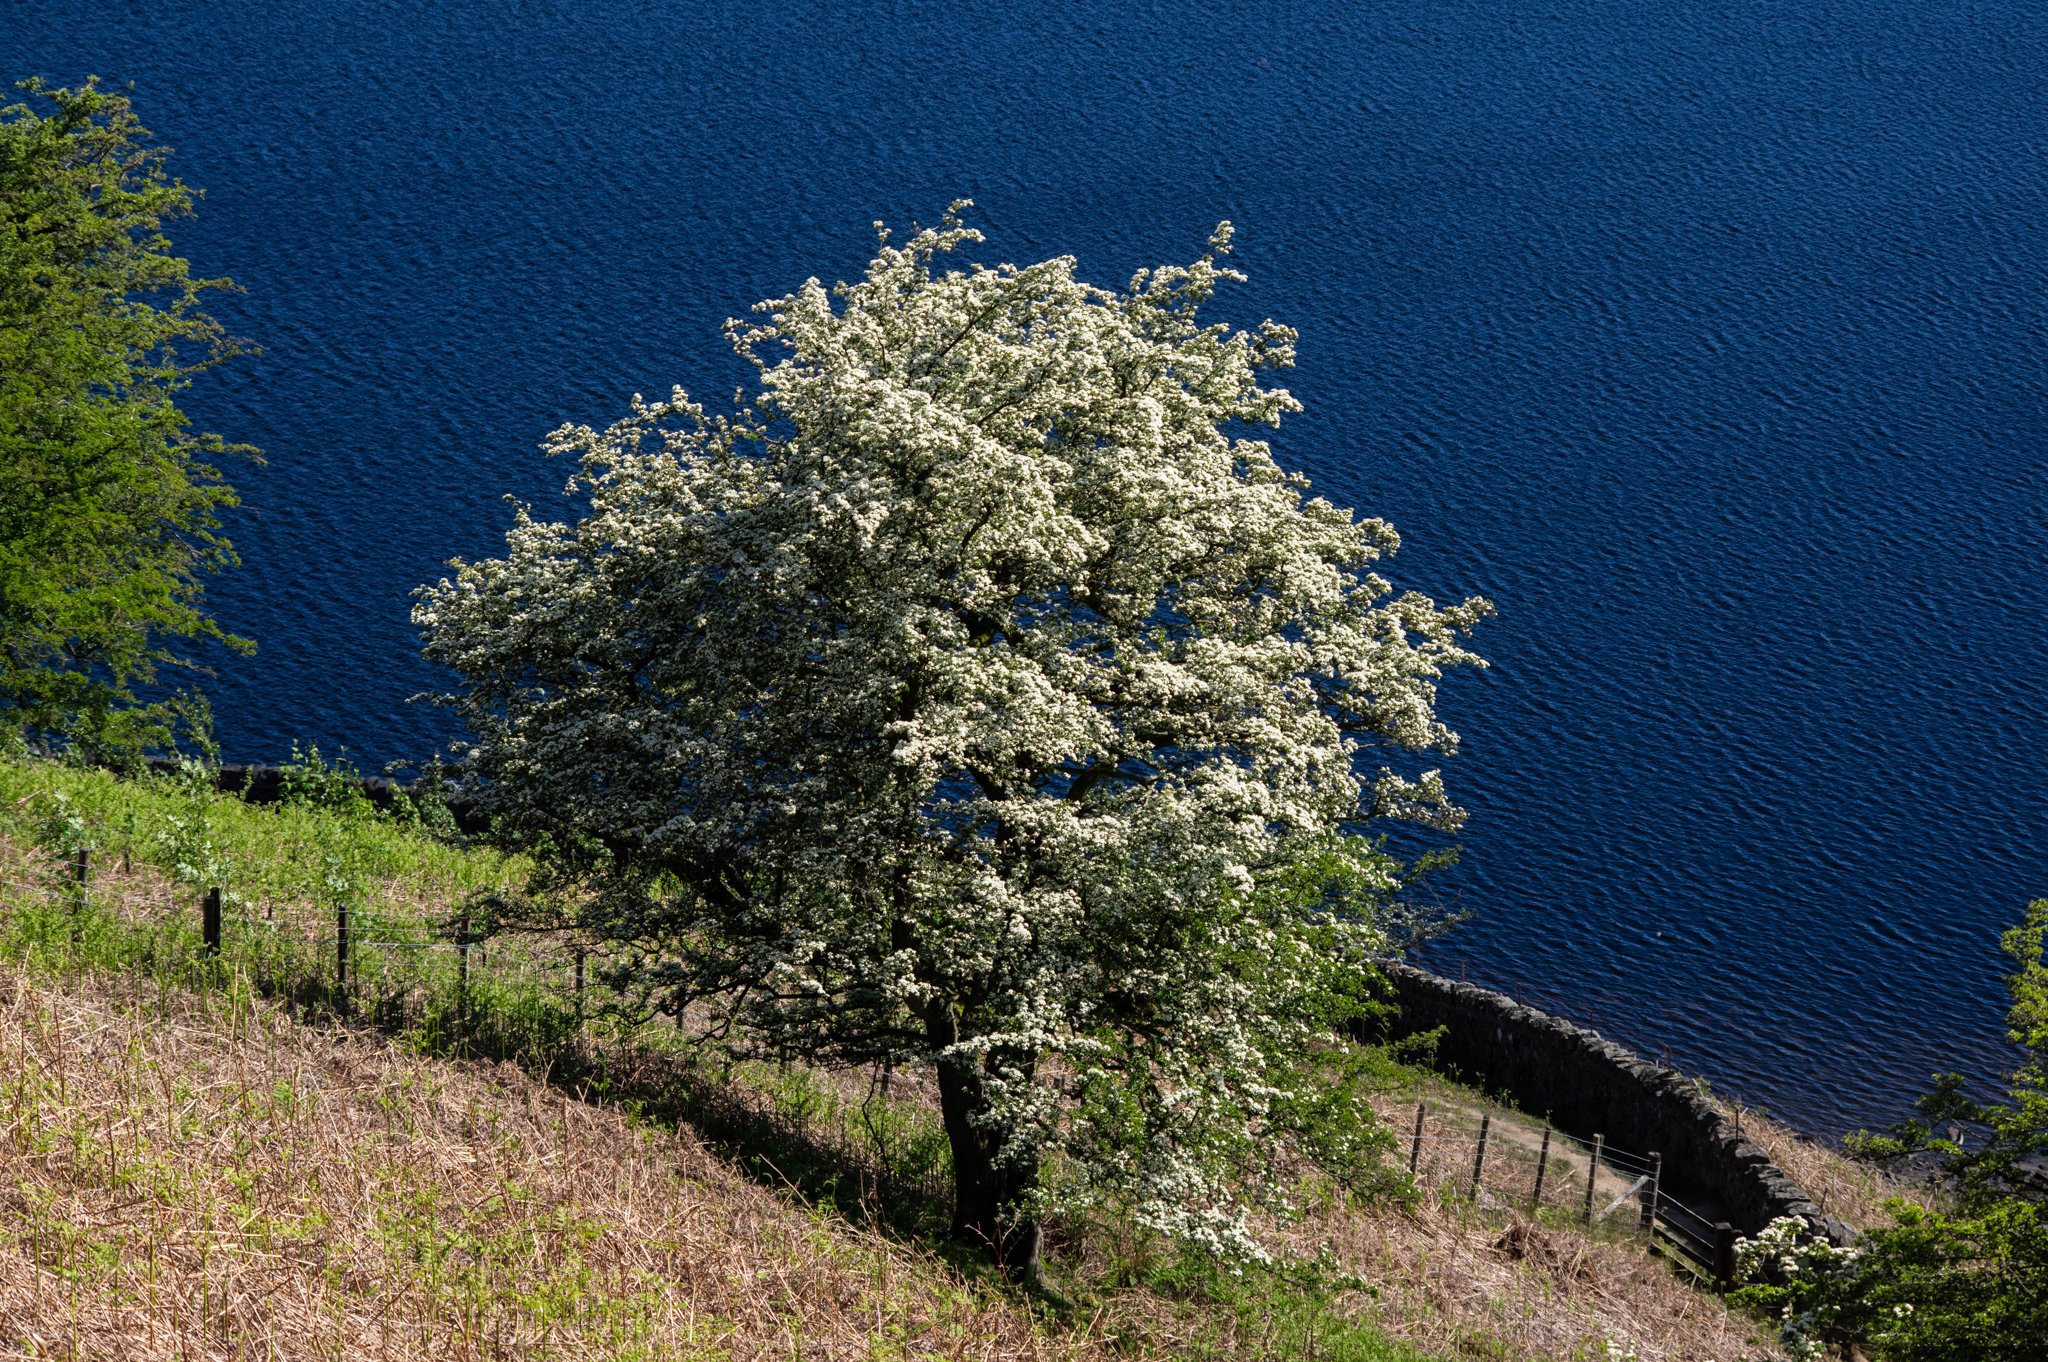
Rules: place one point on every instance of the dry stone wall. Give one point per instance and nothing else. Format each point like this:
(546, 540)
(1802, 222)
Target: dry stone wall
(1587, 1084)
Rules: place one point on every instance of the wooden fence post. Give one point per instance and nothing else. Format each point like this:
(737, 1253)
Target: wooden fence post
(1648, 1220)
(1542, 1162)
(1593, 1175)
(1479, 1154)
(1415, 1150)
(341, 954)
(83, 871)
(209, 921)
(579, 983)
(1724, 1255)
(462, 952)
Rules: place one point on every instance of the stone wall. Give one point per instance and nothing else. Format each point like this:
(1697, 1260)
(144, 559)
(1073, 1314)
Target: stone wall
(1587, 1085)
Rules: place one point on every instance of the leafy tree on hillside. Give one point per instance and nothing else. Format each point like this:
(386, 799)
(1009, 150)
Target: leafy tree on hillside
(107, 503)
(981, 696)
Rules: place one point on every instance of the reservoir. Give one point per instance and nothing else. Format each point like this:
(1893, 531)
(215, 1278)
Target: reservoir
(1708, 338)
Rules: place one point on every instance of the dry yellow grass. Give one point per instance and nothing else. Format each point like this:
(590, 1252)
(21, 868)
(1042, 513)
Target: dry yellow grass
(1488, 1281)
(1445, 1277)
(1457, 1280)
(183, 1183)
(1467, 1284)
(192, 1180)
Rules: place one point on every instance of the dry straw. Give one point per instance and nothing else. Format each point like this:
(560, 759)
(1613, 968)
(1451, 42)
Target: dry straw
(187, 1184)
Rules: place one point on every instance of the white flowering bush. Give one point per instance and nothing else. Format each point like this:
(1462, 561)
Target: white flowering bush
(1804, 1281)
(1927, 1288)
(981, 694)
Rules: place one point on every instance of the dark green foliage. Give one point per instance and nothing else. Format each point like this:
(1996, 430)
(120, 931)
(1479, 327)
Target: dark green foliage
(1969, 1286)
(108, 506)
(1929, 1288)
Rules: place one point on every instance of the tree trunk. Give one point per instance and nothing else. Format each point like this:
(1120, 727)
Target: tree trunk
(985, 1192)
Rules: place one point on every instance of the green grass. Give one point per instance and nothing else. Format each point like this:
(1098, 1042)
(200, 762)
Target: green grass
(298, 853)
(1291, 1313)
(287, 873)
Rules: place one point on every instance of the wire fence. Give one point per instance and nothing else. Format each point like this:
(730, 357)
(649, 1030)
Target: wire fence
(363, 951)
(862, 1154)
(1549, 1175)
(386, 957)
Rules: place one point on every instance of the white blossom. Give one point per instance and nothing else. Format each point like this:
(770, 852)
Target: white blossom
(983, 695)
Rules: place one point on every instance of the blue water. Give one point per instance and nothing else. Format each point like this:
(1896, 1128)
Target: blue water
(1706, 338)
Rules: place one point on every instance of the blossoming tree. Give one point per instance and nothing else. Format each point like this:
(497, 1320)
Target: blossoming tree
(980, 698)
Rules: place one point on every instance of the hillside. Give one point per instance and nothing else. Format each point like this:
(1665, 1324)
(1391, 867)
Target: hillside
(190, 1175)
(208, 1159)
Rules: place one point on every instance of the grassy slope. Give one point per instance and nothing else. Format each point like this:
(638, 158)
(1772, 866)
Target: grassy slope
(191, 1176)
(289, 1178)
(484, 1216)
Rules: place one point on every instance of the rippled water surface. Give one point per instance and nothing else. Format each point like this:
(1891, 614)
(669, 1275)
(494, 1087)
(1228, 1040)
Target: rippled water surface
(1706, 338)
